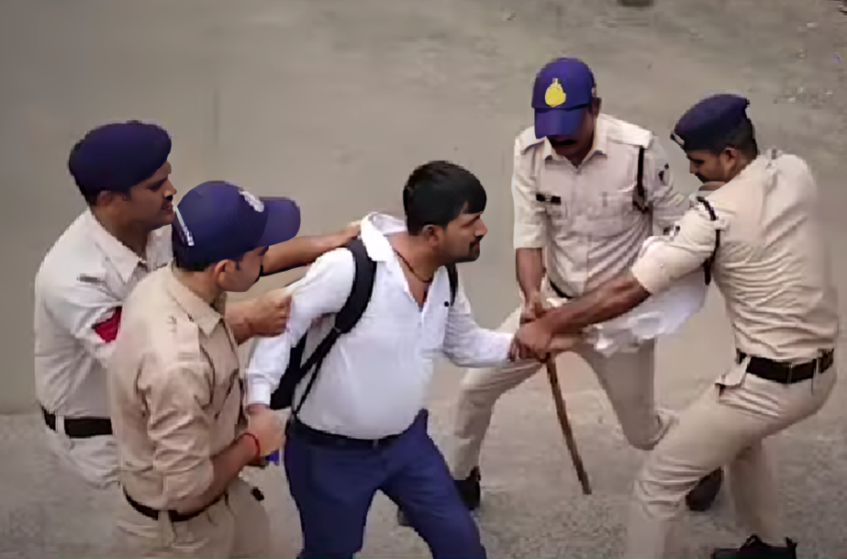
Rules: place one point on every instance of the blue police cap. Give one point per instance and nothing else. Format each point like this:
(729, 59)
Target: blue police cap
(220, 221)
(708, 122)
(562, 91)
(117, 156)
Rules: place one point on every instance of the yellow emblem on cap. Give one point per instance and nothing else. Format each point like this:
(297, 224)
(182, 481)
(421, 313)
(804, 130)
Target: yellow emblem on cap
(555, 95)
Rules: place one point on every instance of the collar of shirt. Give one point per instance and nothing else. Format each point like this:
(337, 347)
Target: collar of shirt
(600, 146)
(376, 227)
(205, 315)
(375, 230)
(753, 173)
(124, 260)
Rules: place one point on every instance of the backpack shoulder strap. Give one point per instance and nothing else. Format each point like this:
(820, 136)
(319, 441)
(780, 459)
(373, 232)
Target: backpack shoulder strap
(349, 315)
(360, 294)
(707, 265)
(453, 276)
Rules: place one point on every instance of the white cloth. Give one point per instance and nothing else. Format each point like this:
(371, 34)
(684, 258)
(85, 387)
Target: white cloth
(658, 315)
(375, 379)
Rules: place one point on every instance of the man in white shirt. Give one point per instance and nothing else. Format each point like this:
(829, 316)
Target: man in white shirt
(362, 427)
(122, 171)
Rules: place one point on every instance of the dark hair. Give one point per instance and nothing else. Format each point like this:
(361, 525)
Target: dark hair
(181, 258)
(742, 138)
(438, 192)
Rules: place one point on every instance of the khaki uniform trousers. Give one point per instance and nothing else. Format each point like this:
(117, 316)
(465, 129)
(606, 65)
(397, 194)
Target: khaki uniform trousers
(725, 426)
(84, 471)
(236, 526)
(627, 379)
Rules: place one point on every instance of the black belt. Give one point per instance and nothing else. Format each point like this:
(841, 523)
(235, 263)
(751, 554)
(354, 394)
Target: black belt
(787, 373)
(322, 438)
(559, 291)
(80, 427)
(172, 514)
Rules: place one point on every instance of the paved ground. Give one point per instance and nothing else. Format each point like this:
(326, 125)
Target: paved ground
(334, 102)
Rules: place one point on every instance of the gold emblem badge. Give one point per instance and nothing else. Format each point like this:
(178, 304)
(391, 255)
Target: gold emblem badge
(555, 95)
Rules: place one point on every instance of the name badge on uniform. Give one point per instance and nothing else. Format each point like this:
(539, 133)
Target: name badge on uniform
(555, 200)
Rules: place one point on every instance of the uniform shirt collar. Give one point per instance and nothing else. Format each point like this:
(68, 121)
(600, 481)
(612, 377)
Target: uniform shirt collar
(124, 260)
(206, 316)
(601, 143)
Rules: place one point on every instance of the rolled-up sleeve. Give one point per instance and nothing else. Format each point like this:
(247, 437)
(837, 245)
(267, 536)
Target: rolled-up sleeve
(175, 389)
(322, 291)
(680, 253)
(466, 344)
(530, 216)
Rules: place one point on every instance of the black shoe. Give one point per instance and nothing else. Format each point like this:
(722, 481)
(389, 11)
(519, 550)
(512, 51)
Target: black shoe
(754, 548)
(704, 494)
(469, 489)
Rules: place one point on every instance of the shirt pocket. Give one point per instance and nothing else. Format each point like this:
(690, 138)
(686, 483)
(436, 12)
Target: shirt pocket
(608, 214)
(555, 209)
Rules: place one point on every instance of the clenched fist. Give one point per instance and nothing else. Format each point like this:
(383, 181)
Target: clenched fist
(268, 314)
(264, 424)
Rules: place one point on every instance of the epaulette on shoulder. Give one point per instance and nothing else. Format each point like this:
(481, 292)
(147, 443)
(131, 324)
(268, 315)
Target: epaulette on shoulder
(527, 139)
(627, 133)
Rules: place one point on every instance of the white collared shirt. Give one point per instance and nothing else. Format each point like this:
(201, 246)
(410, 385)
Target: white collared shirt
(375, 379)
(81, 284)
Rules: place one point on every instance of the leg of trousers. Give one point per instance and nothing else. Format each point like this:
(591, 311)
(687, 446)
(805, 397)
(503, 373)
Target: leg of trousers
(422, 487)
(333, 489)
(723, 427)
(627, 379)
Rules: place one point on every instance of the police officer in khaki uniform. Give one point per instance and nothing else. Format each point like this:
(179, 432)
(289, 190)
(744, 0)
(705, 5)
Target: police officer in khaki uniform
(760, 233)
(588, 189)
(176, 387)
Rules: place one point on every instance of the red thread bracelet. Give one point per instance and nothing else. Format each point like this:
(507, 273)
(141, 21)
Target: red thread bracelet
(256, 442)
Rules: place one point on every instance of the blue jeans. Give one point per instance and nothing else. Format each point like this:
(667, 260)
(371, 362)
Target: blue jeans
(333, 488)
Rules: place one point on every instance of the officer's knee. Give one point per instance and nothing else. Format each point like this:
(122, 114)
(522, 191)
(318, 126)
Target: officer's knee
(642, 437)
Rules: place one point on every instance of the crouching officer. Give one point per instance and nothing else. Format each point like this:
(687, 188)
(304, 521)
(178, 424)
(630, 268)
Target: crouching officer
(760, 234)
(176, 389)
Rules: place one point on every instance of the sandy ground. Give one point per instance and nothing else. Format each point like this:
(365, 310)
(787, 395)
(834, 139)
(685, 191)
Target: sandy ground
(334, 102)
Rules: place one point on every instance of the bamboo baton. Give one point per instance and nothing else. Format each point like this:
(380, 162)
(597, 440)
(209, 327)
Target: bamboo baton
(565, 424)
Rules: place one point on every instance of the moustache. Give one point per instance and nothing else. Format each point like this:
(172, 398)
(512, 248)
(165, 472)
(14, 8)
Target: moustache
(563, 143)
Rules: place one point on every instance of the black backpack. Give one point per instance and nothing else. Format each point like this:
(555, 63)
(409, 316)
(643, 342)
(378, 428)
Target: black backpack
(346, 319)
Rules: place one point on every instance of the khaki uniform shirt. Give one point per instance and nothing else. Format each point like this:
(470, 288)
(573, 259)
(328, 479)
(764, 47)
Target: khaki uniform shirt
(772, 264)
(584, 215)
(175, 392)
